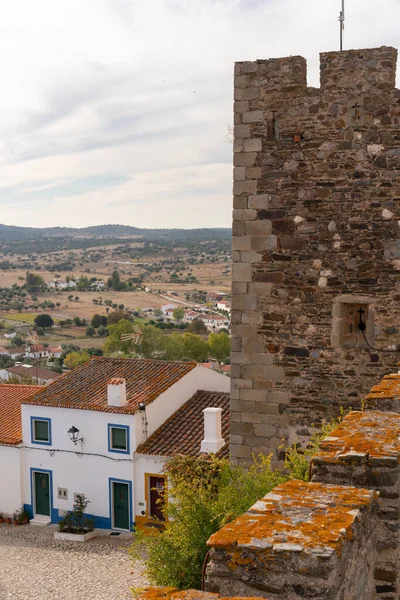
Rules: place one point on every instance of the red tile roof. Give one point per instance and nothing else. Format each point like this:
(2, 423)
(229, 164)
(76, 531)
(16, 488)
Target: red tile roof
(183, 432)
(31, 371)
(86, 387)
(11, 397)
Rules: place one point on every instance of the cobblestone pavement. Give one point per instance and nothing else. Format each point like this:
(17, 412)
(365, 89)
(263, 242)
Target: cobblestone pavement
(33, 566)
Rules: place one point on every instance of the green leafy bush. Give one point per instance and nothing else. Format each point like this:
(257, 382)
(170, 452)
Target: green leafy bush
(207, 493)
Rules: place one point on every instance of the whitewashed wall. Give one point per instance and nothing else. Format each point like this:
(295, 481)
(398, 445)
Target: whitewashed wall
(145, 464)
(10, 488)
(85, 474)
(167, 403)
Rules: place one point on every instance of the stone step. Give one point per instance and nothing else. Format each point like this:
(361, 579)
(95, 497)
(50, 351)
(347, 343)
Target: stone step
(40, 521)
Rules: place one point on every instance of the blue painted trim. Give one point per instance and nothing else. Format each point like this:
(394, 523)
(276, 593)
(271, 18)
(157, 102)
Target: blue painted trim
(33, 441)
(111, 480)
(126, 427)
(53, 511)
(99, 522)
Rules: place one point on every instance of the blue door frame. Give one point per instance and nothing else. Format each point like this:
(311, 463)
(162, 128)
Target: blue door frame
(31, 509)
(112, 480)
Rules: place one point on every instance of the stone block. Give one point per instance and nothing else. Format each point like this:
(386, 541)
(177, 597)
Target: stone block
(241, 272)
(244, 214)
(244, 159)
(250, 93)
(241, 131)
(264, 242)
(239, 173)
(244, 187)
(240, 243)
(241, 106)
(253, 173)
(253, 116)
(250, 67)
(258, 228)
(252, 145)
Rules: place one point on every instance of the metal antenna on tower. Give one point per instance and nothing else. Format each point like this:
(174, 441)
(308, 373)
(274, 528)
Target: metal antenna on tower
(341, 22)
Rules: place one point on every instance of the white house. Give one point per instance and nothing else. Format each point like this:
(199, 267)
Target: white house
(80, 434)
(199, 425)
(224, 305)
(168, 308)
(61, 285)
(97, 285)
(10, 442)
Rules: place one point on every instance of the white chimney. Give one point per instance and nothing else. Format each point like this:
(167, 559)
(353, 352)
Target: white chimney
(116, 392)
(213, 440)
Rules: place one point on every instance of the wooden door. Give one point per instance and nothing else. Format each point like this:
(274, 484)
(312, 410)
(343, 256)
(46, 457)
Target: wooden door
(157, 497)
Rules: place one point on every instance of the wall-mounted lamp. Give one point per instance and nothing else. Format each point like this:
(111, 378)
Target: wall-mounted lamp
(73, 433)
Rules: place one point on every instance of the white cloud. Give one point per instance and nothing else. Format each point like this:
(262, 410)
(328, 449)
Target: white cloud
(140, 94)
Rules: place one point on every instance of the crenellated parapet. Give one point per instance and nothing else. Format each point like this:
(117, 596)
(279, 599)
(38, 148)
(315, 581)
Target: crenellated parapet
(316, 242)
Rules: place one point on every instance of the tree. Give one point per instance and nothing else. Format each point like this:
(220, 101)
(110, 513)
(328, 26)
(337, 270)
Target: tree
(115, 283)
(116, 316)
(44, 321)
(157, 312)
(75, 359)
(173, 346)
(96, 321)
(90, 331)
(34, 283)
(197, 326)
(102, 331)
(114, 342)
(194, 347)
(220, 345)
(178, 313)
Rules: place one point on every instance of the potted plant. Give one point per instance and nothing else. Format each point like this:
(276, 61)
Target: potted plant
(20, 517)
(8, 520)
(1, 518)
(76, 526)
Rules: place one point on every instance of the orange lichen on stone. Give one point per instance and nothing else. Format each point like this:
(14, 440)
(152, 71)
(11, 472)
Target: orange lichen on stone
(362, 435)
(389, 387)
(296, 516)
(169, 593)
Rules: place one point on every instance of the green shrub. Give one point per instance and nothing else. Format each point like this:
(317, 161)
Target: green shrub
(207, 493)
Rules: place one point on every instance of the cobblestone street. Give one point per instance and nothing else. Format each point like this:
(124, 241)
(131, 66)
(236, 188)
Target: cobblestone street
(34, 566)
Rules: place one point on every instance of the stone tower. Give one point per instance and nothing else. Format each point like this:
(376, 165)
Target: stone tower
(316, 247)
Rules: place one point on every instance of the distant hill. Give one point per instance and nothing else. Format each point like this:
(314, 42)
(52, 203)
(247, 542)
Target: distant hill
(11, 233)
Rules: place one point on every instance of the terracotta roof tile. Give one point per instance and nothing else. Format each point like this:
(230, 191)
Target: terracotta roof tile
(11, 397)
(183, 432)
(23, 371)
(86, 387)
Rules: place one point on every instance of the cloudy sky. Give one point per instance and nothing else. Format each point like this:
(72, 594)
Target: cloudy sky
(116, 111)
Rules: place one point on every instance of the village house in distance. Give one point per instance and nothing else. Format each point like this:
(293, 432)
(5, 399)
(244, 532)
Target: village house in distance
(105, 430)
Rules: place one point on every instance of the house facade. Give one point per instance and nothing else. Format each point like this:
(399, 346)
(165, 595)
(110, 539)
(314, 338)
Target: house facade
(80, 435)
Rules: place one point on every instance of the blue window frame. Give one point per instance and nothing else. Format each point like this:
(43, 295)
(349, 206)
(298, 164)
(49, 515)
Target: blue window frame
(41, 431)
(118, 438)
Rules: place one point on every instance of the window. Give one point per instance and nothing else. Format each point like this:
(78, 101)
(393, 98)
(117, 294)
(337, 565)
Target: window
(41, 431)
(118, 438)
(353, 322)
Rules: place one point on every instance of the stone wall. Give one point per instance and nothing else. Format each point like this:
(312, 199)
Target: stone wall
(315, 240)
(364, 451)
(334, 538)
(301, 540)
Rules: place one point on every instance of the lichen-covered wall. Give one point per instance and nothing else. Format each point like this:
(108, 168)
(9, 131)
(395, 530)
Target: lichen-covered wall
(364, 451)
(315, 227)
(300, 540)
(334, 538)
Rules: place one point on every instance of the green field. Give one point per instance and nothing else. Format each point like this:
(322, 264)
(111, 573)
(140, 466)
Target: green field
(20, 317)
(27, 318)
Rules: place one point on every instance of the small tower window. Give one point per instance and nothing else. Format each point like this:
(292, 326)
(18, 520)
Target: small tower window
(353, 322)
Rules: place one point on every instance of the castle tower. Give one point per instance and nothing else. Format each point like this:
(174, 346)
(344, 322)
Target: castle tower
(316, 247)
